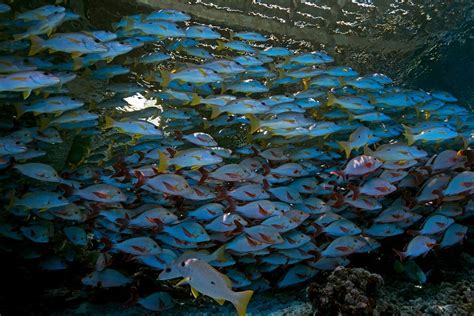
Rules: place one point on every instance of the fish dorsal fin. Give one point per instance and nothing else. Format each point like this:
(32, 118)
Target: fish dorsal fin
(220, 301)
(195, 292)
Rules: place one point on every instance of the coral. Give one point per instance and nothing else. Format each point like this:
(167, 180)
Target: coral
(346, 292)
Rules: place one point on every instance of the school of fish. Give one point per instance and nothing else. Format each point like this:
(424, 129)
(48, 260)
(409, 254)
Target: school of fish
(324, 162)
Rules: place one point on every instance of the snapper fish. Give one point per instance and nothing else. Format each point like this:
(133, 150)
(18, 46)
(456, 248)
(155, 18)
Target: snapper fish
(201, 139)
(461, 183)
(434, 225)
(249, 192)
(39, 171)
(56, 105)
(27, 81)
(140, 246)
(106, 278)
(104, 193)
(418, 246)
(260, 209)
(204, 279)
(76, 44)
(230, 172)
(377, 187)
(455, 234)
(157, 302)
(396, 152)
(188, 231)
(44, 26)
(297, 274)
(207, 211)
(193, 157)
(343, 246)
(40, 13)
(433, 134)
(359, 138)
(170, 184)
(41, 200)
(134, 127)
(360, 166)
(227, 222)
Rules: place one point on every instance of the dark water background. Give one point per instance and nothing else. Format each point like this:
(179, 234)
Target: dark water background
(420, 44)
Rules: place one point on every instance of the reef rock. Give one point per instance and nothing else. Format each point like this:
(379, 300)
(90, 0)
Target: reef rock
(346, 292)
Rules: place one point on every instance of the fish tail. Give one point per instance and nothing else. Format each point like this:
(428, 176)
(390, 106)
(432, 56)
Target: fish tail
(220, 45)
(196, 99)
(11, 199)
(164, 162)
(20, 110)
(305, 82)
(92, 105)
(347, 148)
(216, 111)
(331, 99)
(130, 24)
(223, 88)
(465, 141)
(77, 64)
(281, 72)
(241, 302)
(129, 61)
(254, 123)
(165, 76)
(109, 122)
(219, 254)
(410, 138)
(36, 45)
(401, 254)
(44, 123)
(368, 151)
(19, 37)
(372, 99)
(351, 116)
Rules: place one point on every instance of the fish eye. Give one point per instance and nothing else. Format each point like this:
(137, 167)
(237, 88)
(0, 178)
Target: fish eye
(213, 153)
(73, 98)
(183, 264)
(168, 270)
(121, 42)
(26, 60)
(264, 103)
(96, 40)
(17, 142)
(46, 73)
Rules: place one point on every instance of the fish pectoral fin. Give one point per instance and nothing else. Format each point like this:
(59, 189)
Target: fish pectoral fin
(183, 281)
(26, 94)
(220, 301)
(195, 292)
